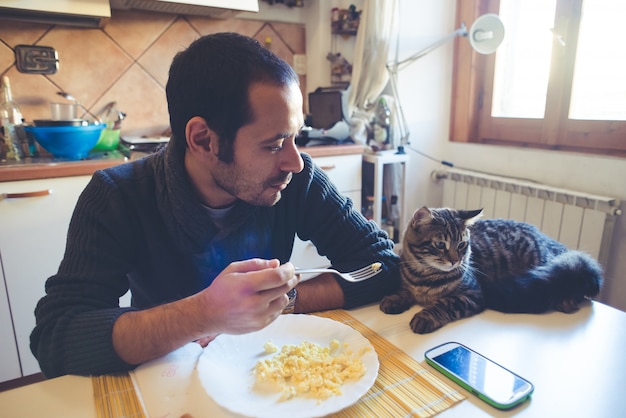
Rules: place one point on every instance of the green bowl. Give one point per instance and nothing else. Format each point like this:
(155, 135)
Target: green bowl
(109, 140)
(70, 142)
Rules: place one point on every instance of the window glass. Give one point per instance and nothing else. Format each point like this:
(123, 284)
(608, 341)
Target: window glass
(522, 66)
(599, 86)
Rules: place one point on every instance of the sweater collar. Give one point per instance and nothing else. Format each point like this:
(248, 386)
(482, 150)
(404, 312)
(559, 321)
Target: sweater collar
(187, 220)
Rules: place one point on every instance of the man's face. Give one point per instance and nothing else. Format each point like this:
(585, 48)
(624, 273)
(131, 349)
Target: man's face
(264, 153)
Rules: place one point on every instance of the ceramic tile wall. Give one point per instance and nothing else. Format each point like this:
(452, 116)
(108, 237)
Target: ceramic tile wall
(127, 61)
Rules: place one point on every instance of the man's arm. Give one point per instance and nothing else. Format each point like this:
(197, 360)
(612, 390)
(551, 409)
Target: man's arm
(347, 239)
(318, 294)
(245, 297)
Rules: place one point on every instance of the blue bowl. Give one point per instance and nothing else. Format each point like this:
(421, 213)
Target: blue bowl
(71, 142)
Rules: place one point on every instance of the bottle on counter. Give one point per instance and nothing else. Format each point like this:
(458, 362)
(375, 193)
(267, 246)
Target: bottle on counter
(394, 218)
(10, 118)
(368, 209)
(386, 221)
(382, 125)
(384, 115)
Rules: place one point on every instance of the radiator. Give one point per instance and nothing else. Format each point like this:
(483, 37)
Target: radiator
(579, 220)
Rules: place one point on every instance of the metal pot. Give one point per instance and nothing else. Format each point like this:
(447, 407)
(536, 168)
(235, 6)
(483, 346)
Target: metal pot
(68, 122)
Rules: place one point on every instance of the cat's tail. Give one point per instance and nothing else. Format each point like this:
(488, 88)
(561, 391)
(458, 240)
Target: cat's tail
(561, 284)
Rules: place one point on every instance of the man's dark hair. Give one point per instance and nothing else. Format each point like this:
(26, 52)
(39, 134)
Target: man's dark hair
(211, 79)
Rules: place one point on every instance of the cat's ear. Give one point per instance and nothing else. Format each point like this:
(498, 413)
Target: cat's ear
(421, 217)
(470, 216)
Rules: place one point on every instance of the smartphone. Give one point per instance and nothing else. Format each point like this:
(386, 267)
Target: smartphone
(486, 379)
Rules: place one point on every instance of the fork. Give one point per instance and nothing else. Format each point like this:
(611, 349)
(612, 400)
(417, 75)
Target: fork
(355, 276)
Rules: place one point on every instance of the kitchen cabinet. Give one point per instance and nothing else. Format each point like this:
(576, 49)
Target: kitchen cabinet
(9, 360)
(32, 241)
(345, 172)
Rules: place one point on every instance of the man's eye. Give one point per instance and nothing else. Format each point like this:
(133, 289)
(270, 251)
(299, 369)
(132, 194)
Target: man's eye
(276, 146)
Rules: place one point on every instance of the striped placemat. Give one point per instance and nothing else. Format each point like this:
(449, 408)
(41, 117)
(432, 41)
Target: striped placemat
(115, 397)
(403, 387)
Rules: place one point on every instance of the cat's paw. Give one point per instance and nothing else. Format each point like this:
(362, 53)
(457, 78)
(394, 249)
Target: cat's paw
(569, 305)
(394, 304)
(423, 324)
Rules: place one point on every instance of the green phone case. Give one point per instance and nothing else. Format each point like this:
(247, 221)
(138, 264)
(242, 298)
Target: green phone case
(472, 390)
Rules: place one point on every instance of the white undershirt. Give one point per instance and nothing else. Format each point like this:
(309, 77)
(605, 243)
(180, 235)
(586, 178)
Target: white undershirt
(218, 214)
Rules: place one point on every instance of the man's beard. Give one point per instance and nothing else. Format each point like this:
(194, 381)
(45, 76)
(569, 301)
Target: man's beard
(254, 193)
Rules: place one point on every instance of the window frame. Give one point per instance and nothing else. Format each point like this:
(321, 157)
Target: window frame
(472, 89)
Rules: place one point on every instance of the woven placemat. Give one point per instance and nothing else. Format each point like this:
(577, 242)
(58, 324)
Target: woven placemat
(403, 387)
(115, 397)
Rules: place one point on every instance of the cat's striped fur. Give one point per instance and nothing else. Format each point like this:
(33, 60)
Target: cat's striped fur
(456, 265)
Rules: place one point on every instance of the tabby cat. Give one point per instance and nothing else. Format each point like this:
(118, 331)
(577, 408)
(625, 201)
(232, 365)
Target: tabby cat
(456, 265)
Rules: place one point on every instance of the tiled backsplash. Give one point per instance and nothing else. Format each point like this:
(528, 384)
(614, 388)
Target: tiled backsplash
(127, 61)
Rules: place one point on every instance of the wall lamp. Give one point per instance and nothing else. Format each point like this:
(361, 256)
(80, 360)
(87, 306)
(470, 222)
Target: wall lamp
(485, 36)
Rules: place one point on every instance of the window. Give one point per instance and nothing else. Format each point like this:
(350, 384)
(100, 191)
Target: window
(556, 82)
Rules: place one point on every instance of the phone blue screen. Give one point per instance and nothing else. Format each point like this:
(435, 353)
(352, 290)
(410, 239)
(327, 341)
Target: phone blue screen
(487, 377)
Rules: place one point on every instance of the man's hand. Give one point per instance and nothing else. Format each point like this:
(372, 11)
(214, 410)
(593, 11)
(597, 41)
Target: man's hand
(247, 296)
(204, 341)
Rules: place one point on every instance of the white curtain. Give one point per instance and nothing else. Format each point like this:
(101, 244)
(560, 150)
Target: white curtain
(369, 70)
(369, 79)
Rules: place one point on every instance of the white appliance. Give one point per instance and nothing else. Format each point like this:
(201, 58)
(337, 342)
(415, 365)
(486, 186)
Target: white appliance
(95, 13)
(219, 9)
(85, 13)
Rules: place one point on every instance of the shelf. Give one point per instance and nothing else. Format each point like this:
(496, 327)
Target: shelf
(379, 160)
(345, 32)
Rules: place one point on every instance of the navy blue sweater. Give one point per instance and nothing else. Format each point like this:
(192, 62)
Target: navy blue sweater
(139, 226)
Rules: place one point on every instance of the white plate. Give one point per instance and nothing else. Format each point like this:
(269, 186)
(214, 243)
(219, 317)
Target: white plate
(139, 140)
(225, 368)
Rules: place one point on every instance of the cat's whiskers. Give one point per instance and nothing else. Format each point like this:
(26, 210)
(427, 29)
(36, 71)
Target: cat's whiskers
(471, 269)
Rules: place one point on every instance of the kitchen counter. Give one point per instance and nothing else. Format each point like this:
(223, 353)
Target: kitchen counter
(329, 150)
(49, 167)
(41, 168)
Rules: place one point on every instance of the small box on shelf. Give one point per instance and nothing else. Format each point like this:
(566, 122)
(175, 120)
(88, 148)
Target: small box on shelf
(345, 21)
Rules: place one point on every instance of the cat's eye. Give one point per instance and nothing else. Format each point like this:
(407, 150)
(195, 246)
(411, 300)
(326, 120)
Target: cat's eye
(462, 245)
(440, 245)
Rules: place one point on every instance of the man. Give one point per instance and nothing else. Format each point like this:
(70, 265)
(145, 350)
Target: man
(201, 232)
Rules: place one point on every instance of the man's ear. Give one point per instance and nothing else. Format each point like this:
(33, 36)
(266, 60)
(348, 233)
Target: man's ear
(200, 138)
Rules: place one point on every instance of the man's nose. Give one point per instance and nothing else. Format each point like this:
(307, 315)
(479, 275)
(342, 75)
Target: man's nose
(292, 161)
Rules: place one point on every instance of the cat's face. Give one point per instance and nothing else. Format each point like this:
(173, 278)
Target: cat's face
(439, 238)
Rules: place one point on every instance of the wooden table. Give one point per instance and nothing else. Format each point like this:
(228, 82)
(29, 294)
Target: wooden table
(576, 363)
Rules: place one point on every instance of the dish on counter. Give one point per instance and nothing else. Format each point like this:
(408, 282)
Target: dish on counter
(68, 122)
(70, 142)
(144, 144)
(225, 368)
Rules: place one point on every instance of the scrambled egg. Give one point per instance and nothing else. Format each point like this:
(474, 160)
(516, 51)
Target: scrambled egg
(270, 347)
(309, 369)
